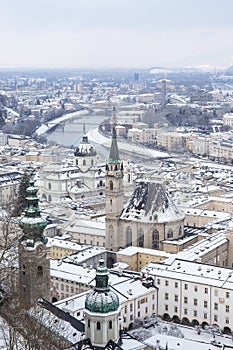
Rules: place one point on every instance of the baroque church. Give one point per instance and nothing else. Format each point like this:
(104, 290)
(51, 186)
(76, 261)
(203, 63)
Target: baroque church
(150, 216)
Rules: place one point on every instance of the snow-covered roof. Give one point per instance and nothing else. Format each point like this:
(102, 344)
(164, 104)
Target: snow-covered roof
(150, 203)
(192, 272)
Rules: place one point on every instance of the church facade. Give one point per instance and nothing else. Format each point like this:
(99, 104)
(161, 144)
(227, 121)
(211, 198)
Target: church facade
(150, 216)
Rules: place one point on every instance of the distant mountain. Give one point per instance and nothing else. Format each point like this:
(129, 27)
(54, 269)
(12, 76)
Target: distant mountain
(214, 58)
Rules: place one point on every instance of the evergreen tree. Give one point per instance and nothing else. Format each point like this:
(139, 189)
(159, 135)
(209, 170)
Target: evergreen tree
(21, 202)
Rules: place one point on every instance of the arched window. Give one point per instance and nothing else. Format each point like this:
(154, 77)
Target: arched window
(40, 271)
(140, 238)
(180, 231)
(111, 185)
(49, 198)
(98, 326)
(84, 161)
(101, 183)
(155, 239)
(128, 236)
(170, 233)
(110, 324)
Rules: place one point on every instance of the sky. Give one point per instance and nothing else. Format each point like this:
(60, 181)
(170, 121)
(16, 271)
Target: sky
(115, 33)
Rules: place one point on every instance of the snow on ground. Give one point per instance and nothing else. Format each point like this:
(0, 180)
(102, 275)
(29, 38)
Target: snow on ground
(179, 337)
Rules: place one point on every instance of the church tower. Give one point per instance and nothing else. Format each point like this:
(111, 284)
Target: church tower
(34, 264)
(114, 195)
(102, 311)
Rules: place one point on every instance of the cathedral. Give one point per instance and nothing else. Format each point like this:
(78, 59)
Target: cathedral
(150, 216)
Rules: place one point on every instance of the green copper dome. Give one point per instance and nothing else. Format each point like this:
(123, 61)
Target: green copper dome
(102, 299)
(32, 223)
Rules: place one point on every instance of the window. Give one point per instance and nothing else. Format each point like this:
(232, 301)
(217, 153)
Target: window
(185, 286)
(166, 283)
(176, 284)
(158, 281)
(216, 292)
(227, 308)
(139, 314)
(98, 326)
(155, 239)
(175, 309)
(62, 287)
(205, 316)
(185, 311)
(166, 307)
(205, 303)
(227, 295)
(131, 307)
(166, 296)
(84, 161)
(88, 323)
(206, 290)
(176, 297)
(227, 320)
(140, 238)
(138, 304)
(110, 325)
(40, 271)
(185, 300)
(128, 236)
(111, 185)
(195, 289)
(195, 313)
(146, 310)
(195, 302)
(125, 309)
(215, 306)
(131, 317)
(215, 318)
(170, 233)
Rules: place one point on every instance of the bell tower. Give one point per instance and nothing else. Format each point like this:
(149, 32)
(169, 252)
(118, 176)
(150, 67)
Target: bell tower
(114, 195)
(34, 264)
(102, 310)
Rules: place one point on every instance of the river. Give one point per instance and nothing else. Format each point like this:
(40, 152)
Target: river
(71, 132)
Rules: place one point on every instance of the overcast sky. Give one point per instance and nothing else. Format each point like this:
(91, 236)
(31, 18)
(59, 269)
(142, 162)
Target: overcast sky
(114, 33)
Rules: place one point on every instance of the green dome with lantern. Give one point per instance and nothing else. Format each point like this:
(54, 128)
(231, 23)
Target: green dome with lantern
(102, 299)
(32, 223)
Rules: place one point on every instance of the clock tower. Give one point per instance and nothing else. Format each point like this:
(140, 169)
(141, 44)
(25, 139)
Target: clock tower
(114, 192)
(34, 264)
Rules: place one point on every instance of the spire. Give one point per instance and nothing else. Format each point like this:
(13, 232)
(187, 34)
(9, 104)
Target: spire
(101, 277)
(101, 298)
(32, 223)
(114, 152)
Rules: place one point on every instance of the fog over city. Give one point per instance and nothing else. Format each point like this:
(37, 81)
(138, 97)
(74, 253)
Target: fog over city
(103, 33)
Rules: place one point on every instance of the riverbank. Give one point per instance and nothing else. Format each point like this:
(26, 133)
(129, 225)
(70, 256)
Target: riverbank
(126, 147)
(44, 128)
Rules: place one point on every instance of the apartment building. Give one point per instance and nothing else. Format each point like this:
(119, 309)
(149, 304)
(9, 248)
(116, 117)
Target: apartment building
(193, 293)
